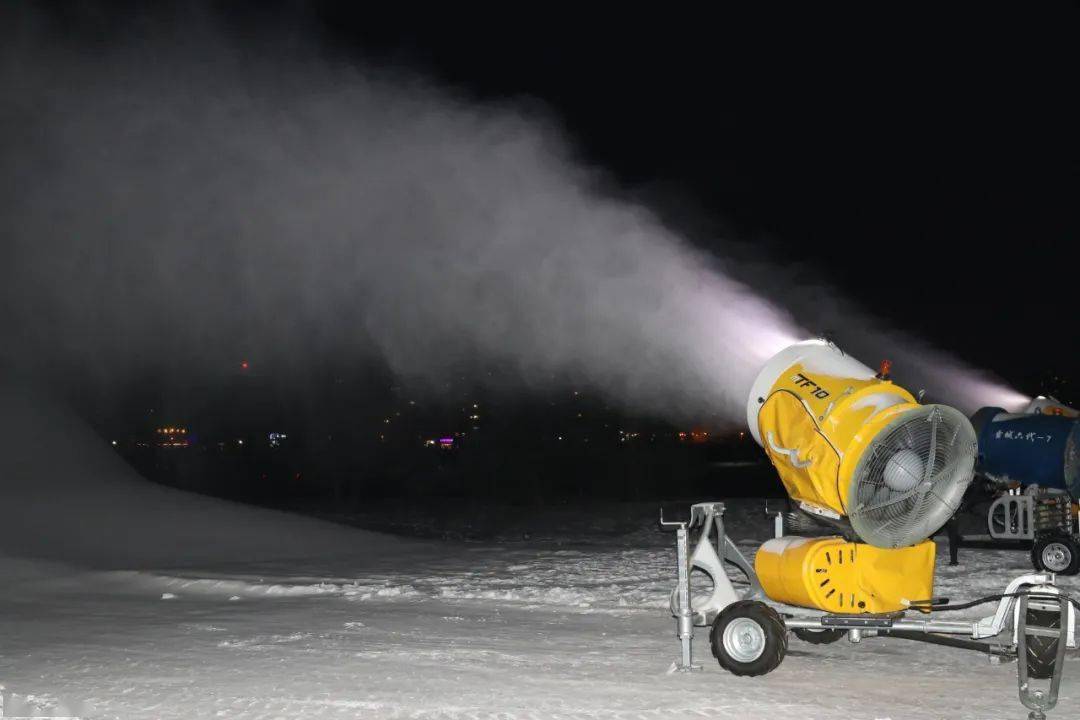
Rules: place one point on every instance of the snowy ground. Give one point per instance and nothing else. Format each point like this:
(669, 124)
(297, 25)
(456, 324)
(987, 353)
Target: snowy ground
(123, 600)
(455, 632)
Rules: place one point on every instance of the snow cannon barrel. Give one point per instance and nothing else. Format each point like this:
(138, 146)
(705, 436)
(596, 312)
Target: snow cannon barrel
(1029, 449)
(847, 442)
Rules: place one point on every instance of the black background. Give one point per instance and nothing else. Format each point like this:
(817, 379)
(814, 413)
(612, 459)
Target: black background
(942, 142)
(942, 138)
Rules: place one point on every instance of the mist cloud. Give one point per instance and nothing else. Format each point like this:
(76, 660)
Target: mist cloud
(181, 205)
(199, 207)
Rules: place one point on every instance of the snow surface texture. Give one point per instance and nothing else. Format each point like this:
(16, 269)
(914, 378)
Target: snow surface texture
(160, 604)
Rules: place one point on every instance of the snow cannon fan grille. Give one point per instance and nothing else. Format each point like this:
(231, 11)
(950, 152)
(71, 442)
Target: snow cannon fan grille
(910, 479)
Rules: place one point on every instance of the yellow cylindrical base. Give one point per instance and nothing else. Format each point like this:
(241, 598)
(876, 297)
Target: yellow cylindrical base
(837, 576)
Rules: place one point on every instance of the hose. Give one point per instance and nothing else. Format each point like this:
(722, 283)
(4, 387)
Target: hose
(943, 604)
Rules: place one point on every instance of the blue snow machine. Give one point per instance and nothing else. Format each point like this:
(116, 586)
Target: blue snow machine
(1029, 465)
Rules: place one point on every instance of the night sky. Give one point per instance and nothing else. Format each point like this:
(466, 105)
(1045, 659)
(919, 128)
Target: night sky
(943, 143)
(923, 163)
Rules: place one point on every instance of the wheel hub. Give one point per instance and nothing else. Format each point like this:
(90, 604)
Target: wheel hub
(1056, 557)
(744, 640)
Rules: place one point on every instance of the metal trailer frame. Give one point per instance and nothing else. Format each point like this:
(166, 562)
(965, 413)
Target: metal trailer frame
(1023, 519)
(1005, 634)
(1015, 512)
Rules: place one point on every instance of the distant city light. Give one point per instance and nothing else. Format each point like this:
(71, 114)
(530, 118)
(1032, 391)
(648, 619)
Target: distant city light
(172, 437)
(114, 443)
(275, 438)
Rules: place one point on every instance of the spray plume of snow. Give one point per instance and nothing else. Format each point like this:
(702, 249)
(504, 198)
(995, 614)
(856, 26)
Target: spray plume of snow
(201, 207)
(178, 205)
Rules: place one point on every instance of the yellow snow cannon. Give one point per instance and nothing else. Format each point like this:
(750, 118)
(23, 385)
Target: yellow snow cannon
(858, 453)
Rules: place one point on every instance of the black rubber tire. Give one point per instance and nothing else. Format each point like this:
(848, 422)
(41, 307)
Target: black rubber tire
(1072, 547)
(818, 637)
(771, 625)
(1042, 651)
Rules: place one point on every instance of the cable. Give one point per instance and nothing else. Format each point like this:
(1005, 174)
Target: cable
(942, 607)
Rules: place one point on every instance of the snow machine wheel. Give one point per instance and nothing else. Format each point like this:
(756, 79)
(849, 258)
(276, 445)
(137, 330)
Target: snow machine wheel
(1042, 651)
(749, 638)
(1056, 553)
(818, 637)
